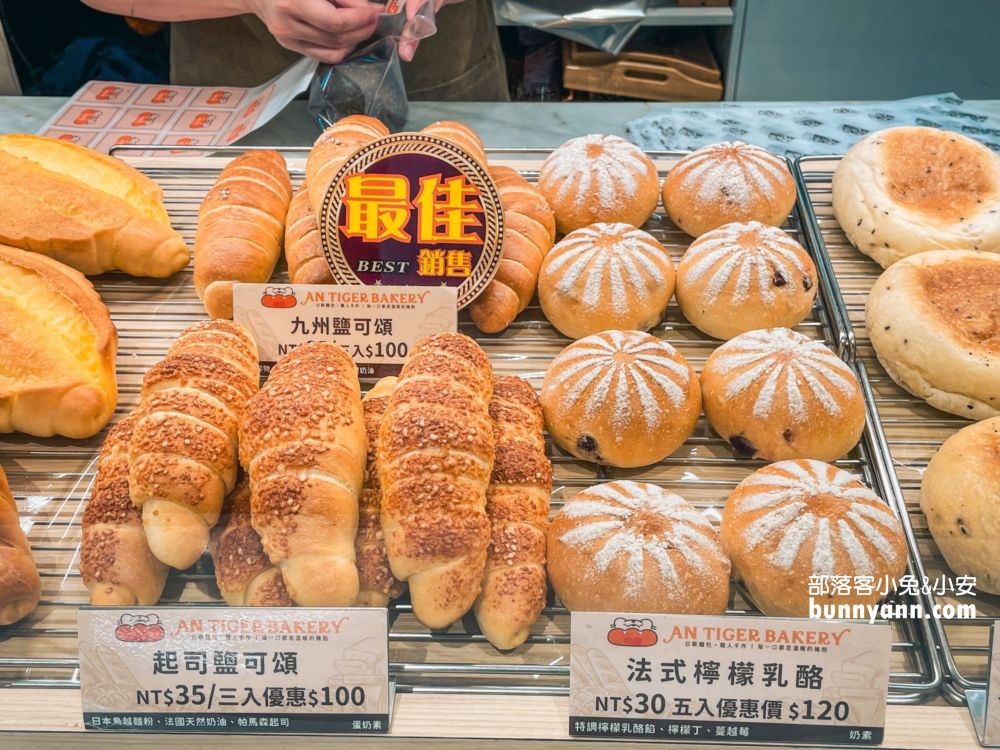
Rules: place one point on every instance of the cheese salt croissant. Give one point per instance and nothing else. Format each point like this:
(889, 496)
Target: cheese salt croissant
(378, 584)
(302, 440)
(116, 563)
(435, 455)
(243, 571)
(183, 451)
(517, 504)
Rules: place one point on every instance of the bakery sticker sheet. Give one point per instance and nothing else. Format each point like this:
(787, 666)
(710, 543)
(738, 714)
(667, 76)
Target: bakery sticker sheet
(203, 669)
(106, 114)
(713, 679)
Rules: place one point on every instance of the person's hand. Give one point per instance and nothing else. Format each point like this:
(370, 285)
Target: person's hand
(324, 30)
(408, 49)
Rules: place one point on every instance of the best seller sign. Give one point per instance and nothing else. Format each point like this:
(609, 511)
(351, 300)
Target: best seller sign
(719, 678)
(214, 669)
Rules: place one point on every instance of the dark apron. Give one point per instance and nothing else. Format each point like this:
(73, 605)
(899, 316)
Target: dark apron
(462, 62)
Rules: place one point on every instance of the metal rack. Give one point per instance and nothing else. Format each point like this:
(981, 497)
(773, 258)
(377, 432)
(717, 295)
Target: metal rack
(51, 479)
(911, 430)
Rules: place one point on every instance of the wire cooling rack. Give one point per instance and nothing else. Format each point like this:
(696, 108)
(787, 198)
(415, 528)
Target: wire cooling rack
(913, 432)
(51, 478)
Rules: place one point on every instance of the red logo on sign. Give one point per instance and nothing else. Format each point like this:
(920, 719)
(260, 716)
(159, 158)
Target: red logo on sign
(143, 118)
(201, 121)
(86, 117)
(139, 629)
(107, 92)
(626, 632)
(279, 297)
(163, 95)
(69, 138)
(218, 97)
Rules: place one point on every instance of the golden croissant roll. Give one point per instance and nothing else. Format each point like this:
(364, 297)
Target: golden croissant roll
(303, 246)
(461, 135)
(302, 440)
(116, 564)
(245, 575)
(530, 230)
(241, 225)
(377, 583)
(435, 455)
(76, 223)
(517, 503)
(334, 147)
(183, 451)
(20, 584)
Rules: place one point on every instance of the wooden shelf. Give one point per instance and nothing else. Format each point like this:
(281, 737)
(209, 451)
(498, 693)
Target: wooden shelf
(44, 719)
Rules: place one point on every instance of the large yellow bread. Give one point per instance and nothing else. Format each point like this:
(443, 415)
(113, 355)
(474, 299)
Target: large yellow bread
(106, 173)
(57, 349)
(81, 226)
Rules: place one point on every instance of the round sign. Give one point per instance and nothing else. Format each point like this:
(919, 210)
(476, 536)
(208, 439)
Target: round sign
(413, 210)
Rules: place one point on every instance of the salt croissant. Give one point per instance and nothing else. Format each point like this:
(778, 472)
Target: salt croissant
(116, 563)
(334, 147)
(302, 440)
(435, 455)
(303, 246)
(245, 575)
(183, 451)
(241, 225)
(378, 584)
(517, 503)
(530, 230)
(20, 584)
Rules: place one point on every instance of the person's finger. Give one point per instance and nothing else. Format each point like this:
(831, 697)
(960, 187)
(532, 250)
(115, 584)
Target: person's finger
(333, 20)
(407, 50)
(304, 32)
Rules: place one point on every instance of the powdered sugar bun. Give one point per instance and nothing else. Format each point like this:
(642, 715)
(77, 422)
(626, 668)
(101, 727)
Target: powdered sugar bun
(605, 276)
(776, 394)
(796, 519)
(599, 178)
(635, 547)
(742, 277)
(727, 182)
(620, 398)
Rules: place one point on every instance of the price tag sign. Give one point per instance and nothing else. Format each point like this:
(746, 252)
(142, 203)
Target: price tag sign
(984, 705)
(206, 669)
(376, 325)
(715, 679)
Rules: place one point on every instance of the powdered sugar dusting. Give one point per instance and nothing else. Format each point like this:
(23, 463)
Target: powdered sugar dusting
(628, 372)
(764, 358)
(574, 170)
(609, 259)
(752, 251)
(810, 500)
(646, 521)
(731, 172)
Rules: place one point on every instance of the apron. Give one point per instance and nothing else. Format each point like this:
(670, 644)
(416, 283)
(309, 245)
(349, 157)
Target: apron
(461, 62)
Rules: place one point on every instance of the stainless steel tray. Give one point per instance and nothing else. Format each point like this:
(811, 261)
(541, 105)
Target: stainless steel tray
(51, 479)
(912, 431)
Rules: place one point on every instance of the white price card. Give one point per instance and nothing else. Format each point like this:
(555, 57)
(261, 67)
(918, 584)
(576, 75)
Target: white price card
(984, 705)
(725, 679)
(201, 669)
(376, 325)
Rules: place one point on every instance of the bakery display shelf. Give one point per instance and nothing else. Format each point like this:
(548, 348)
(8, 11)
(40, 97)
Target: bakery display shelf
(913, 432)
(51, 479)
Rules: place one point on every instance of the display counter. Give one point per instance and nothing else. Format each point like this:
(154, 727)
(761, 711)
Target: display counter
(445, 708)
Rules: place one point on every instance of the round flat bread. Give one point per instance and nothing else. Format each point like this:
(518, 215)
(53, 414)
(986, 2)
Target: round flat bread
(909, 190)
(934, 320)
